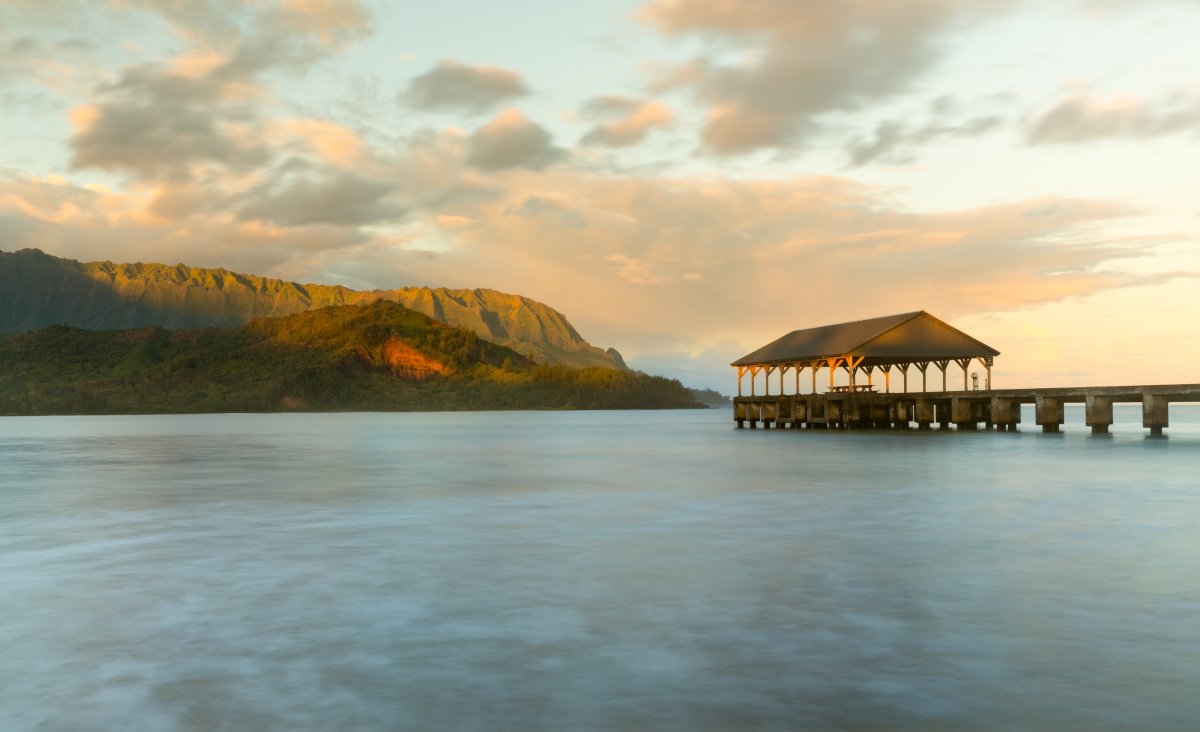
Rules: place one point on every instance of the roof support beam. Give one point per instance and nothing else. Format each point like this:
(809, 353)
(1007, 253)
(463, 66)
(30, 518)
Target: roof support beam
(923, 365)
(943, 365)
(833, 364)
(964, 364)
(851, 366)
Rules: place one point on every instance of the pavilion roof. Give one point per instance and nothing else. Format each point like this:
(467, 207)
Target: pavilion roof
(893, 339)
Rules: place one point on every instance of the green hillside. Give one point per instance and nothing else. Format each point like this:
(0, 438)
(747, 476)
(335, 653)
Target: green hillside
(37, 290)
(380, 356)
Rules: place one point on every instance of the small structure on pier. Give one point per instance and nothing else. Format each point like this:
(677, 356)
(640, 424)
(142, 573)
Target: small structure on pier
(866, 346)
(918, 339)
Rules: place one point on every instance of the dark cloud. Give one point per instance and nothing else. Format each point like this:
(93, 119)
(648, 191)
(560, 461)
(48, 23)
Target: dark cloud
(454, 86)
(510, 141)
(1083, 118)
(805, 58)
(609, 105)
(341, 199)
(156, 122)
(896, 142)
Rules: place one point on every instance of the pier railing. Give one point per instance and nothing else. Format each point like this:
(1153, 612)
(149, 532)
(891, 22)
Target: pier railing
(967, 410)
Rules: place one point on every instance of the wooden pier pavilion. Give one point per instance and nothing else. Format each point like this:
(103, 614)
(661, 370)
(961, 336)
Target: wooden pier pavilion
(861, 349)
(866, 346)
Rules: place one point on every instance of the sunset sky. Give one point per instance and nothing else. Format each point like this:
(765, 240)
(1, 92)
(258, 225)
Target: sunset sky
(684, 179)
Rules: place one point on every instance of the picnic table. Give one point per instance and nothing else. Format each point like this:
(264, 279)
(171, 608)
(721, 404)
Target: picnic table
(855, 387)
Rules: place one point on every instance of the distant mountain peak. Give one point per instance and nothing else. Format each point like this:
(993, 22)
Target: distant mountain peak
(39, 289)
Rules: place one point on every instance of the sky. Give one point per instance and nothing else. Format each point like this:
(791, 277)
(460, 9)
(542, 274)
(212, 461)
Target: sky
(686, 180)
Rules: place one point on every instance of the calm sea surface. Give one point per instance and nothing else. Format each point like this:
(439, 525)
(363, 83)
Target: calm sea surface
(594, 571)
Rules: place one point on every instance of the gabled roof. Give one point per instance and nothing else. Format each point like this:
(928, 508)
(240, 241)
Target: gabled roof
(902, 338)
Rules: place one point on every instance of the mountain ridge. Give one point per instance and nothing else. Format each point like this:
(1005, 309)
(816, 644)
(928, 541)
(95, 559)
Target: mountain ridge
(378, 356)
(39, 289)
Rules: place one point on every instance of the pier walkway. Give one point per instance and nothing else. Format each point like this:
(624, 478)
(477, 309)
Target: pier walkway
(966, 410)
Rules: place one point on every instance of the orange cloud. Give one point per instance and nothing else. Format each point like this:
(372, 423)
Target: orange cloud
(637, 118)
(335, 144)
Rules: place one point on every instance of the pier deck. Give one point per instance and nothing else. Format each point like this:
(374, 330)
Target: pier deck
(966, 410)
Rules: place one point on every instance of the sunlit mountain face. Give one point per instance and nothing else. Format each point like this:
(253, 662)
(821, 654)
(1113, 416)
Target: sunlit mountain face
(379, 356)
(37, 290)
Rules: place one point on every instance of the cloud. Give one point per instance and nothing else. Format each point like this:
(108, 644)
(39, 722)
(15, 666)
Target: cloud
(340, 199)
(553, 206)
(335, 144)
(895, 142)
(193, 132)
(649, 263)
(802, 58)
(461, 87)
(306, 27)
(635, 119)
(334, 23)
(510, 140)
(634, 271)
(87, 223)
(675, 260)
(157, 121)
(1083, 117)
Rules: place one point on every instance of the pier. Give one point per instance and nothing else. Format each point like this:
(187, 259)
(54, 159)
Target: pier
(966, 410)
(863, 349)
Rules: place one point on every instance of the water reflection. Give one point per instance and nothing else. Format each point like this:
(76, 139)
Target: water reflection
(592, 571)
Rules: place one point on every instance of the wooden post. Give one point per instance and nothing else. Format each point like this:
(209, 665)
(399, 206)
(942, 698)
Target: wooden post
(753, 378)
(833, 364)
(741, 371)
(964, 364)
(887, 377)
(943, 365)
(905, 372)
(767, 380)
(923, 365)
(852, 365)
(782, 369)
(815, 367)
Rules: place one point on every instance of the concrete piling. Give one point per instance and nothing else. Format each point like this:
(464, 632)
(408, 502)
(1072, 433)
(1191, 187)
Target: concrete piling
(1098, 413)
(965, 409)
(1048, 413)
(1154, 413)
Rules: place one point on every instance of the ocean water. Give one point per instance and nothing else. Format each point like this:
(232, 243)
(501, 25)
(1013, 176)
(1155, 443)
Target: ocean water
(594, 571)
